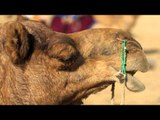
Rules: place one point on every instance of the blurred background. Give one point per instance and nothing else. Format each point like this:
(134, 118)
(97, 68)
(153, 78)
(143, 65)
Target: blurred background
(144, 28)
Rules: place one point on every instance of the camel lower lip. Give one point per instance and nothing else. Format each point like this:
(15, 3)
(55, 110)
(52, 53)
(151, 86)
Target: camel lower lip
(133, 84)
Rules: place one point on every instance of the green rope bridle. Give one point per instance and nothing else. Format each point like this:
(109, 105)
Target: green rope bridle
(123, 68)
(123, 58)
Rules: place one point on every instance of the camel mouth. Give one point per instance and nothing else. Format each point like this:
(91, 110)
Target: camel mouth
(132, 83)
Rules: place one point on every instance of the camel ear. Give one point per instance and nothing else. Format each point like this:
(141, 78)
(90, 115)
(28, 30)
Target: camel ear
(17, 42)
(21, 18)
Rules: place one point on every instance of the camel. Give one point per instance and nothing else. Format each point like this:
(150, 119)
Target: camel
(39, 66)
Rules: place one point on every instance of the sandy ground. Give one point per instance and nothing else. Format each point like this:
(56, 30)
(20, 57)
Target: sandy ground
(147, 32)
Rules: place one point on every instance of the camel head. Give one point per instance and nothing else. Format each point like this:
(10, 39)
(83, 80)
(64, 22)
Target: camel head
(40, 66)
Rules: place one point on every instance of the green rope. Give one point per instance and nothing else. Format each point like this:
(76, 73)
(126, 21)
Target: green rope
(123, 58)
(123, 71)
(123, 68)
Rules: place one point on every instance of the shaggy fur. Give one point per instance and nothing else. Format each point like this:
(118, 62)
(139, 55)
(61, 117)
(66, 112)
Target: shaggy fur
(40, 66)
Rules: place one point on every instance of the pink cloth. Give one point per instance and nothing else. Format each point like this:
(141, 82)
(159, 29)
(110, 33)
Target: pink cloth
(81, 23)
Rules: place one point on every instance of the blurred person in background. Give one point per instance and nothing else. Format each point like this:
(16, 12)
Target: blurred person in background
(75, 23)
(71, 23)
(65, 23)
